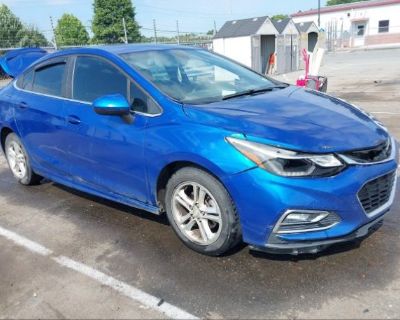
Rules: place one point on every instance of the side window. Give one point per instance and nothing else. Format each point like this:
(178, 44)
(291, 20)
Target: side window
(140, 102)
(94, 77)
(49, 79)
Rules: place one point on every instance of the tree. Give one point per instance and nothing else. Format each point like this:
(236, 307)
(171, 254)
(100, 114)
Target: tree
(279, 17)
(10, 25)
(70, 31)
(31, 37)
(335, 2)
(107, 24)
(14, 34)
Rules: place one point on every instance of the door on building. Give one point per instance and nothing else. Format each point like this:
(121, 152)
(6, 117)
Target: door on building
(312, 41)
(267, 48)
(291, 52)
(359, 30)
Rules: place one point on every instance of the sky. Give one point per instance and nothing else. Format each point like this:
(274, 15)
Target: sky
(193, 15)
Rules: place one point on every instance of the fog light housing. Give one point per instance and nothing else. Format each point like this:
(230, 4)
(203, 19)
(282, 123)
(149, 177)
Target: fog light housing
(299, 221)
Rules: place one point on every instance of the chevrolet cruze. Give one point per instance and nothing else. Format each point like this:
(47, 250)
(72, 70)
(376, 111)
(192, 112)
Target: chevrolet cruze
(230, 155)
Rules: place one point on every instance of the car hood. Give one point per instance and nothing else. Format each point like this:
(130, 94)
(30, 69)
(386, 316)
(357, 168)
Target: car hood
(294, 118)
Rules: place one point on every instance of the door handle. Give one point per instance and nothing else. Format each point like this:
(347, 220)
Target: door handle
(23, 105)
(73, 120)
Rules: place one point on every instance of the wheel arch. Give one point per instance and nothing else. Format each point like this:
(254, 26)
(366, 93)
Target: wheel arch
(5, 131)
(170, 169)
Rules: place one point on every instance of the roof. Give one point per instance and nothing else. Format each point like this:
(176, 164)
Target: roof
(348, 6)
(113, 49)
(280, 25)
(240, 28)
(127, 48)
(304, 26)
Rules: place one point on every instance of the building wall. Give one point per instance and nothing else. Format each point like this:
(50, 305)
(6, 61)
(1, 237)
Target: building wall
(344, 20)
(238, 49)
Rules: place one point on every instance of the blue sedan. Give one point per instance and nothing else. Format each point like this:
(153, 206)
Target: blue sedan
(228, 154)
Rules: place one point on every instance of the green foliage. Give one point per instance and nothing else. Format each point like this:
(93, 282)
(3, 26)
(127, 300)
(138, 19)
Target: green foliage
(70, 31)
(10, 25)
(31, 37)
(107, 24)
(335, 2)
(14, 34)
(279, 17)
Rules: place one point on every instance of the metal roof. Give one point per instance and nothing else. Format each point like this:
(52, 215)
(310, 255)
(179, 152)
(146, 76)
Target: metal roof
(280, 25)
(304, 26)
(347, 6)
(241, 28)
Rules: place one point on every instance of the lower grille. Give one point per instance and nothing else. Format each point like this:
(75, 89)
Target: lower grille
(376, 193)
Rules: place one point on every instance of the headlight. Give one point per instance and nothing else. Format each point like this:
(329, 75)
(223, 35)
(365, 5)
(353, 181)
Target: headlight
(288, 163)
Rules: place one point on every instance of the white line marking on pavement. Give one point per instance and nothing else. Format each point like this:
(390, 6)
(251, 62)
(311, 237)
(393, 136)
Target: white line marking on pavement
(127, 290)
(24, 242)
(131, 292)
(384, 112)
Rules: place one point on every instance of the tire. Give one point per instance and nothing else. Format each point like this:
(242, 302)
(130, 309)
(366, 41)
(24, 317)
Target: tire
(18, 161)
(207, 223)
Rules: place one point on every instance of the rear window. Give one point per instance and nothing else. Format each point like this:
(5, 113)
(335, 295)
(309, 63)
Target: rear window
(49, 79)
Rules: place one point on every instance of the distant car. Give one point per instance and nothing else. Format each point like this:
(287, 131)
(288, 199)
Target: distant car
(227, 153)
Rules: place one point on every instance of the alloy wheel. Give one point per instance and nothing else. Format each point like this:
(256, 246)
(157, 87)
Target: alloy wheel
(196, 213)
(17, 160)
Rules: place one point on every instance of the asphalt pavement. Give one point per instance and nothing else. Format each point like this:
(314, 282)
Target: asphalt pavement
(65, 254)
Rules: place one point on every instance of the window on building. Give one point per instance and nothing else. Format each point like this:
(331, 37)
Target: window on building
(360, 30)
(383, 26)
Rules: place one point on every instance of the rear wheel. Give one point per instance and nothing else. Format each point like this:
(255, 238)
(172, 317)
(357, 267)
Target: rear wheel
(18, 161)
(201, 212)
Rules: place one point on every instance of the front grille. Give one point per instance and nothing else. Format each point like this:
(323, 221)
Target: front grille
(377, 192)
(371, 155)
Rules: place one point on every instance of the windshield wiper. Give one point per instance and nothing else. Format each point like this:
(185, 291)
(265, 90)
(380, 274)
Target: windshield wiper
(253, 91)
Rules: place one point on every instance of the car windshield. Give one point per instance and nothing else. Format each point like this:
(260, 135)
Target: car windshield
(196, 76)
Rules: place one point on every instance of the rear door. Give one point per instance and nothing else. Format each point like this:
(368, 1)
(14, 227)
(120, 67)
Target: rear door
(38, 106)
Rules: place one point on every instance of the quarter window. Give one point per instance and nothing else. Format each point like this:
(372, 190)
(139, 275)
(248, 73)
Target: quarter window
(383, 26)
(27, 81)
(94, 78)
(49, 80)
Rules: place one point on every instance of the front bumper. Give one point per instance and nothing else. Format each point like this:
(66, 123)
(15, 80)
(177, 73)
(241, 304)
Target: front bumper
(262, 198)
(312, 247)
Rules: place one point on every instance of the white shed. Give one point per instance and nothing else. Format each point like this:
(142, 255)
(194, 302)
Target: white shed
(287, 45)
(248, 41)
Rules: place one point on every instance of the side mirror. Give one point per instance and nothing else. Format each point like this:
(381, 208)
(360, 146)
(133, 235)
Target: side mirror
(112, 105)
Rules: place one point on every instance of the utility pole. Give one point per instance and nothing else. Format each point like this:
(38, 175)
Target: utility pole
(215, 28)
(125, 32)
(54, 33)
(177, 32)
(155, 30)
(319, 14)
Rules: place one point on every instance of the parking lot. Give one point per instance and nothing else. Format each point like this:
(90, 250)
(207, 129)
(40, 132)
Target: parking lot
(98, 259)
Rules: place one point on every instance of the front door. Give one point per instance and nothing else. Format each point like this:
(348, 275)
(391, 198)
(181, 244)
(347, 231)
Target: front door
(359, 34)
(106, 152)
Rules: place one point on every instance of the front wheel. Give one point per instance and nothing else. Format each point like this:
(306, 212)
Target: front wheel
(201, 212)
(18, 161)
